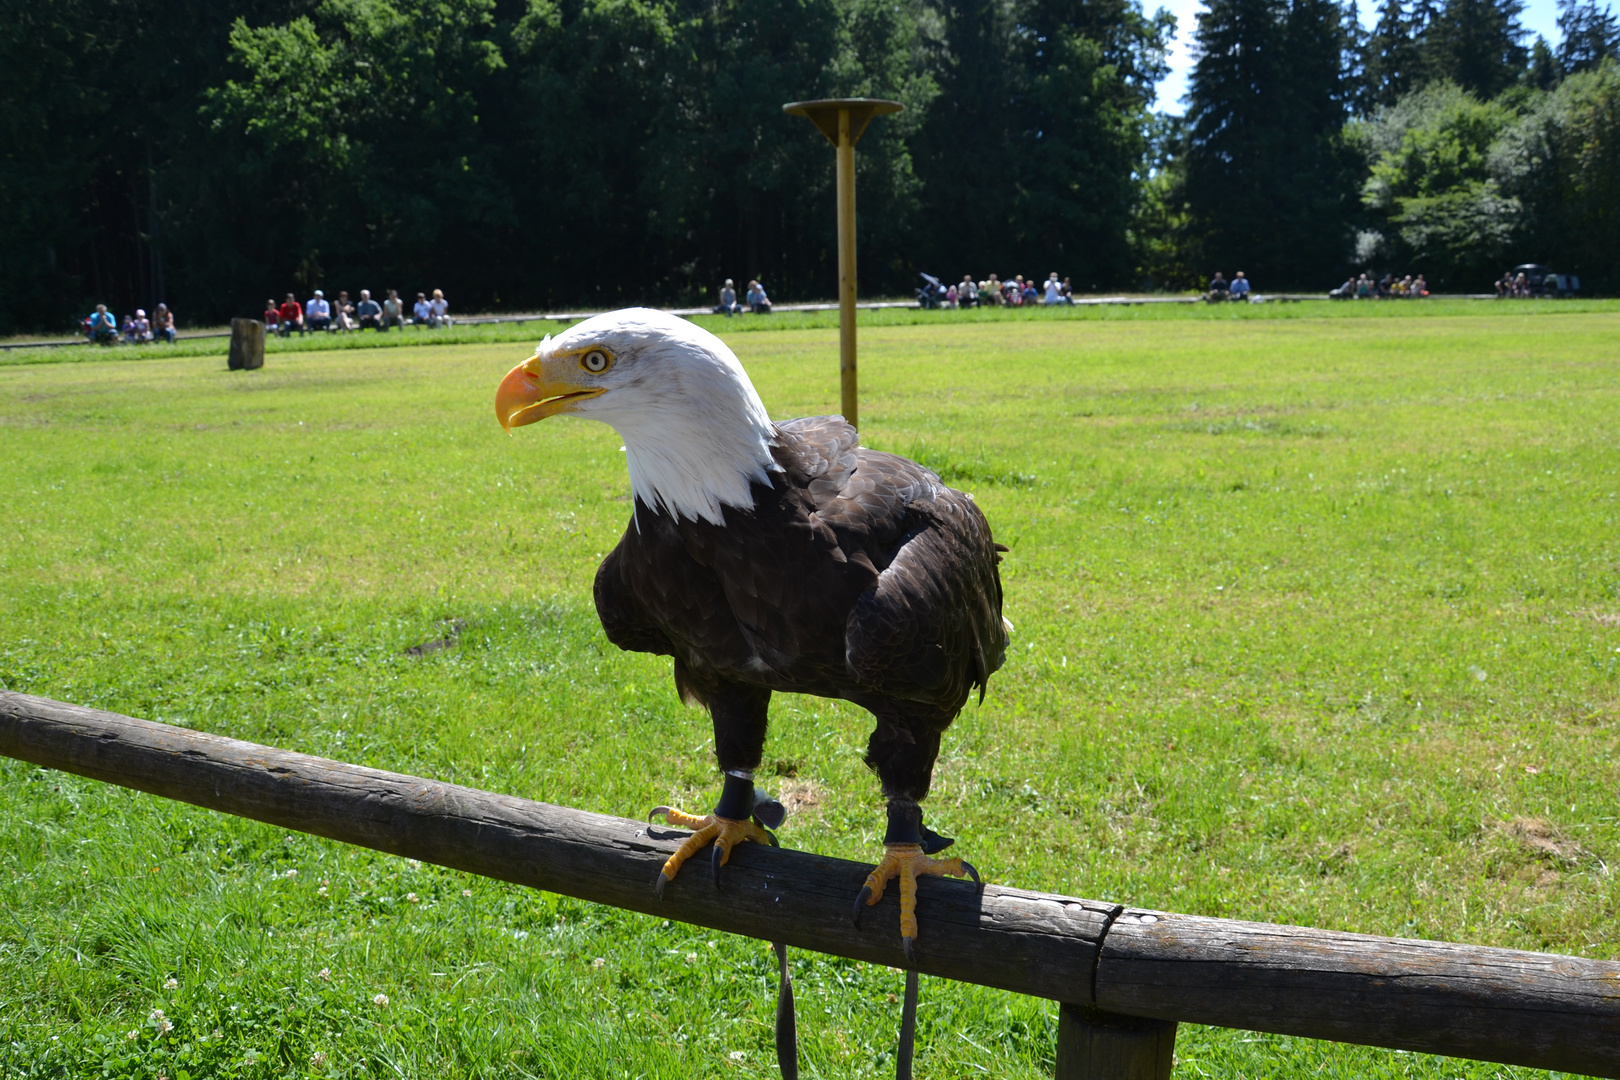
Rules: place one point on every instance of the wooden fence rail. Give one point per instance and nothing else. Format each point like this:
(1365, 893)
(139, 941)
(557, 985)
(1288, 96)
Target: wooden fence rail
(1125, 975)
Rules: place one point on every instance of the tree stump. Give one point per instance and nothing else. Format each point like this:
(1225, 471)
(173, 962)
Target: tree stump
(1097, 1045)
(247, 345)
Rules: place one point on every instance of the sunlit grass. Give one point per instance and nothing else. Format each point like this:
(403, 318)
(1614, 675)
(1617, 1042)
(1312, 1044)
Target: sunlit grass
(1318, 621)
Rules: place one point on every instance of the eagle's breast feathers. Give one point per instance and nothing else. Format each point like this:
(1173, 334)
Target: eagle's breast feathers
(854, 573)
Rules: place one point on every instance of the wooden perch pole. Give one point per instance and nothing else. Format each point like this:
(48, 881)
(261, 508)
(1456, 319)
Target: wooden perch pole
(843, 121)
(1102, 960)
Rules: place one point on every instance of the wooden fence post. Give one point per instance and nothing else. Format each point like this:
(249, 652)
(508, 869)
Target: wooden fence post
(247, 345)
(1097, 1045)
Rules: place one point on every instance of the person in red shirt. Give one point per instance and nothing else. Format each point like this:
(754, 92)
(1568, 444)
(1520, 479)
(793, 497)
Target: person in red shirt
(292, 316)
(272, 316)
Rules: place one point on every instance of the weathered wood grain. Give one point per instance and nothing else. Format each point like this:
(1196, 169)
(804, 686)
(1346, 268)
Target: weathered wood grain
(247, 345)
(1520, 1008)
(1008, 938)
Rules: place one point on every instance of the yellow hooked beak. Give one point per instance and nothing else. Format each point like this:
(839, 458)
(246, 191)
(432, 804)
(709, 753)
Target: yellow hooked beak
(536, 389)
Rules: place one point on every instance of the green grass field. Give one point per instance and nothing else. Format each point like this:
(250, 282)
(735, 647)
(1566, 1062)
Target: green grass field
(1318, 621)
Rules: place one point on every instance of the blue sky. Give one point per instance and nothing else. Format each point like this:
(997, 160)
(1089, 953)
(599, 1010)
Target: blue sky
(1540, 17)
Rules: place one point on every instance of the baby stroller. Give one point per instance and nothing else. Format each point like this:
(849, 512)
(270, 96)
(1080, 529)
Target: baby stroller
(932, 292)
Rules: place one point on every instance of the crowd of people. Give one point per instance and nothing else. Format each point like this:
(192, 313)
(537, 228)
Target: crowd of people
(1388, 287)
(101, 327)
(1017, 291)
(342, 315)
(1511, 285)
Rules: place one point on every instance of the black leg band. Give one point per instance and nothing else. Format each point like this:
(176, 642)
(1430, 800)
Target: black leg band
(736, 799)
(906, 827)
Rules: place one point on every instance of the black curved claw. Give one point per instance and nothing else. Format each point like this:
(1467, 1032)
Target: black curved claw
(908, 1028)
(909, 945)
(860, 903)
(772, 837)
(655, 811)
(719, 853)
(972, 873)
(658, 886)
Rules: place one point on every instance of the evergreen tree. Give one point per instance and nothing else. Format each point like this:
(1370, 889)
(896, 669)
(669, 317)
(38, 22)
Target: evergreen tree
(1268, 183)
(1393, 58)
(1590, 35)
(1476, 44)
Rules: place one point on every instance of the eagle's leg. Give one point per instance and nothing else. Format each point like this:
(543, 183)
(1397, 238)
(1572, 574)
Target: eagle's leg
(902, 751)
(743, 812)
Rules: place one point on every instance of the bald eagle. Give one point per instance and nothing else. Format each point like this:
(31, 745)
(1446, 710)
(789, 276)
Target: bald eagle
(766, 556)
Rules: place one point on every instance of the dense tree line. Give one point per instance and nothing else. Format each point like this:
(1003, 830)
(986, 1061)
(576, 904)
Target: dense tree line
(529, 153)
(525, 153)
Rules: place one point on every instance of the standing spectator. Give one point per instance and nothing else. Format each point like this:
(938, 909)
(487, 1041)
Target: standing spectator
(421, 311)
(343, 312)
(1054, 290)
(369, 312)
(1240, 287)
(393, 310)
(163, 323)
(102, 326)
(758, 302)
(1218, 288)
(728, 300)
(441, 309)
(292, 316)
(318, 313)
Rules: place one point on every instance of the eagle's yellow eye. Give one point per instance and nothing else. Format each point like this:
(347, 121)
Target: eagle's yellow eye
(596, 361)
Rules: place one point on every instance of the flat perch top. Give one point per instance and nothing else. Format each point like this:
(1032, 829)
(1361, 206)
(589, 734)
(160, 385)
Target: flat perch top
(824, 114)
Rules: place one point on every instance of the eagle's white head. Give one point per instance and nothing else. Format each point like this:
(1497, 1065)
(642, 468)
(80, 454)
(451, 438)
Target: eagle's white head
(695, 433)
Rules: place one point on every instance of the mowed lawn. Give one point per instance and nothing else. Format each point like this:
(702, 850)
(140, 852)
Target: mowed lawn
(1317, 621)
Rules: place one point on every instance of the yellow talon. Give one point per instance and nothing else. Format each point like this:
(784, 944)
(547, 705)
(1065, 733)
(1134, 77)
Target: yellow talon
(907, 862)
(724, 833)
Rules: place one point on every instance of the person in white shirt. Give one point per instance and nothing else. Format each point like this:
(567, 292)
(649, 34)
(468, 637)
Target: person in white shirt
(1054, 291)
(439, 309)
(318, 313)
(422, 311)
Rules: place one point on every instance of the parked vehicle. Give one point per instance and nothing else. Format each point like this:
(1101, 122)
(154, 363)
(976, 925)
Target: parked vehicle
(1543, 282)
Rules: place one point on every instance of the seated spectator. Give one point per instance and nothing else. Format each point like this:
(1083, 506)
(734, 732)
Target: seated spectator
(1031, 295)
(1364, 287)
(728, 305)
(369, 312)
(421, 311)
(441, 309)
(137, 331)
(1347, 291)
(1521, 285)
(1054, 290)
(1240, 287)
(393, 310)
(953, 299)
(318, 313)
(1420, 288)
(758, 302)
(967, 293)
(101, 326)
(1218, 288)
(343, 312)
(1066, 290)
(272, 316)
(292, 317)
(990, 292)
(163, 324)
